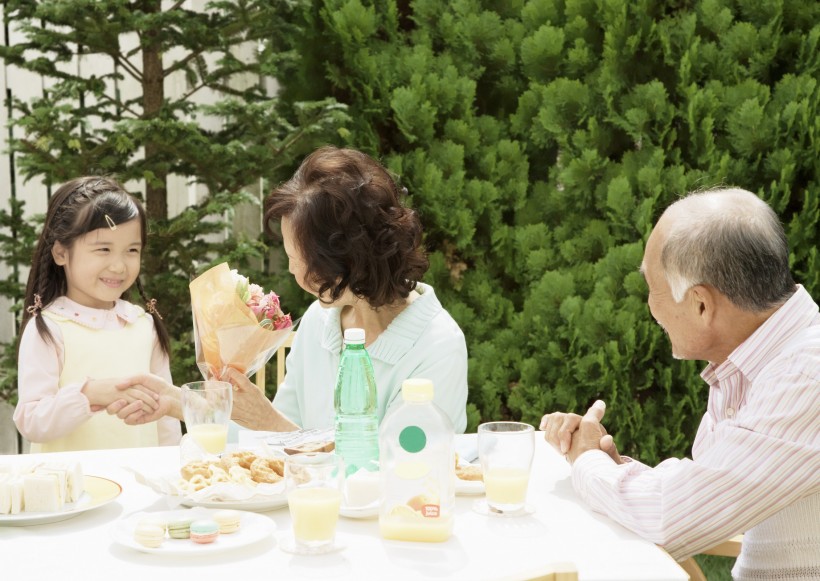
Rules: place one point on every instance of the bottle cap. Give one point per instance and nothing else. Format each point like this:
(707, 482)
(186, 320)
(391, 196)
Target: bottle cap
(354, 335)
(417, 389)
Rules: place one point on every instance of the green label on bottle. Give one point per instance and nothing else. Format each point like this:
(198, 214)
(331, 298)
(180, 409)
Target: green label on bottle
(412, 439)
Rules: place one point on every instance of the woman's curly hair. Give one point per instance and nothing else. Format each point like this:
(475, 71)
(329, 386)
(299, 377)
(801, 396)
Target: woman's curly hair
(351, 227)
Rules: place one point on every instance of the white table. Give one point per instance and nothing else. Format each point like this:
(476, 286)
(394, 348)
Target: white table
(482, 548)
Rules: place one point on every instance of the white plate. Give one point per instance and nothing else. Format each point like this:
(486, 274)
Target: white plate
(255, 504)
(367, 511)
(98, 492)
(253, 528)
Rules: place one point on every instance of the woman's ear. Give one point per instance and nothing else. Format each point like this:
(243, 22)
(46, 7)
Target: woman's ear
(60, 254)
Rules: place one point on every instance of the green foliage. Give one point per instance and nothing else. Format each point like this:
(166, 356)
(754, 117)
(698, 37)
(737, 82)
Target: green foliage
(540, 140)
(17, 236)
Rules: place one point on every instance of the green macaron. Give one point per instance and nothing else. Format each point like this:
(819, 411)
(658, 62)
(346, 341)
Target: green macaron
(180, 528)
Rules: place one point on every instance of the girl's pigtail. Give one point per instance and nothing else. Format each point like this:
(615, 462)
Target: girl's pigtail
(41, 291)
(151, 308)
(36, 306)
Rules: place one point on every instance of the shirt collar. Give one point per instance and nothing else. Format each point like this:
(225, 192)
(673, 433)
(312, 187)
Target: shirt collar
(401, 334)
(755, 352)
(69, 310)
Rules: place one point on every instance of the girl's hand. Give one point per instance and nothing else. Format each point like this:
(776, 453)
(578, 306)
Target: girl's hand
(103, 392)
(168, 400)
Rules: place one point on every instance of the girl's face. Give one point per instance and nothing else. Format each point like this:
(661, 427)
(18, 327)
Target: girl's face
(100, 265)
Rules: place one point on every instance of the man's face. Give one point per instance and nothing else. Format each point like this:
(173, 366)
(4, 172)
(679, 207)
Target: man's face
(678, 320)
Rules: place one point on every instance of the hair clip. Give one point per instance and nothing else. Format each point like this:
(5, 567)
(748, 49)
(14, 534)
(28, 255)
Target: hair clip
(38, 305)
(110, 222)
(151, 307)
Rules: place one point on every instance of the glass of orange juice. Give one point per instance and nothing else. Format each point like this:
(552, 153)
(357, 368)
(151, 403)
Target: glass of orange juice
(206, 409)
(505, 450)
(314, 489)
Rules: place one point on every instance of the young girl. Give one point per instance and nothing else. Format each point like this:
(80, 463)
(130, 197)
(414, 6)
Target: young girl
(79, 339)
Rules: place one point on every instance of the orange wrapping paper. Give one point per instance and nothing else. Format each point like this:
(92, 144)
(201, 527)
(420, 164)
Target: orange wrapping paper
(226, 332)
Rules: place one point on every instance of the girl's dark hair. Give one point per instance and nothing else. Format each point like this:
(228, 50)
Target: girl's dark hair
(76, 208)
(350, 227)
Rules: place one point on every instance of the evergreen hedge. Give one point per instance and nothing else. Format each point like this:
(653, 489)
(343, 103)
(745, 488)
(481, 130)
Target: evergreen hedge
(541, 139)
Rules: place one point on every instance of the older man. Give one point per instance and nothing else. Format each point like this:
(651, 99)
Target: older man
(717, 267)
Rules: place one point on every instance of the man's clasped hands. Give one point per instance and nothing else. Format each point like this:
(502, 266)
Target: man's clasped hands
(572, 435)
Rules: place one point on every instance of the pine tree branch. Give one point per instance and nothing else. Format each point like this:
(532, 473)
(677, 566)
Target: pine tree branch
(181, 63)
(123, 61)
(187, 95)
(118, 104)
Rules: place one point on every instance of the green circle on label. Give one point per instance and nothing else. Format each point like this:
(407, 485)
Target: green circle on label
(412, 439)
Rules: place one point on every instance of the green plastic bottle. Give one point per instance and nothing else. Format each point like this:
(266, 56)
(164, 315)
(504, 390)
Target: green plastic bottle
(357, 425)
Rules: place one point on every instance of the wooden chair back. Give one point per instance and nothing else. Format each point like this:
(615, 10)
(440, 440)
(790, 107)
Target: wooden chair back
(280, 364)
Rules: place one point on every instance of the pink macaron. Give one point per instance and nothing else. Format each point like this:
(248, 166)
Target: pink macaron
(204, 531)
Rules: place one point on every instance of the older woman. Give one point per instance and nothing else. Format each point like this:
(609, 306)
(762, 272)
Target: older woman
(353, 245)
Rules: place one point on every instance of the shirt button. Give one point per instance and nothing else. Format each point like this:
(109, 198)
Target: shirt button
(730, 412)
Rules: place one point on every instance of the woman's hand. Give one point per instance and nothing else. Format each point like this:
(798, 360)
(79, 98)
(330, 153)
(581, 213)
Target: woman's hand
(251, 408)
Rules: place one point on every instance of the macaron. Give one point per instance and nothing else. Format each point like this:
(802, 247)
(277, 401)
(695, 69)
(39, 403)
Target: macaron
(149, 535)
(180, 528)
(228, 521)
(204, 531)
(156, 519)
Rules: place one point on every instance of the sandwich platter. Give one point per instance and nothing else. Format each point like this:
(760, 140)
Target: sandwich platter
(98, 492)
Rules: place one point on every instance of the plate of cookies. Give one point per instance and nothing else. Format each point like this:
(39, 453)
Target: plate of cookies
(242, 480)
(469, 479)
(193, 531)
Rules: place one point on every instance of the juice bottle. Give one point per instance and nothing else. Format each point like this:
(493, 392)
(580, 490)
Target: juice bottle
(417, 468)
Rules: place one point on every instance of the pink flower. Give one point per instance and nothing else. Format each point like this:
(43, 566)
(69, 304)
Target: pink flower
(267, 309)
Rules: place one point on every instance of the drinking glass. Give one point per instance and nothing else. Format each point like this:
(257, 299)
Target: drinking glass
(505, 450)
(314, 490)
(206, 408)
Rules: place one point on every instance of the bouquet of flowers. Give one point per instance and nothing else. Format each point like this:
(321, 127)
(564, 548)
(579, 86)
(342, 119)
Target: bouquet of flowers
(236, 324)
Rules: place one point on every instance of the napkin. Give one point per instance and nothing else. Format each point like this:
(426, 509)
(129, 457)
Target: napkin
(167, 484)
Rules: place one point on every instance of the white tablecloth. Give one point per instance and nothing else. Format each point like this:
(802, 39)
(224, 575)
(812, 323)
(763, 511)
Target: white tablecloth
(482, 548)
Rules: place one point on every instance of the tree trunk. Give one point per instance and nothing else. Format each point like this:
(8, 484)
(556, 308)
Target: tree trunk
(153, 95)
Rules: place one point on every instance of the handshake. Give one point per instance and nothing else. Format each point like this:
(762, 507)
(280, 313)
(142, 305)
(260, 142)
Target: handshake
(572, 435)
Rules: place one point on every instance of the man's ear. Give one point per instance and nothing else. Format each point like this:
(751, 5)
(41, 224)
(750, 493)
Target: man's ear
(60, 254)
(704, 302)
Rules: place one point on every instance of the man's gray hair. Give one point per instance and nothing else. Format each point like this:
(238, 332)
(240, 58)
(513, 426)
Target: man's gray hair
(733, 241)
